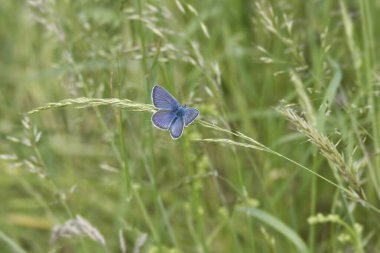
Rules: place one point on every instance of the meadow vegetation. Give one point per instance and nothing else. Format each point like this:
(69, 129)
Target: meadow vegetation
(283, 158)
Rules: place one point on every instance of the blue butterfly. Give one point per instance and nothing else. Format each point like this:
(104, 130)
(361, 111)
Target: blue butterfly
(171, 115)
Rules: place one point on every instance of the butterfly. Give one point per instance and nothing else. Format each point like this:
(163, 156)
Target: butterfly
(171, 115)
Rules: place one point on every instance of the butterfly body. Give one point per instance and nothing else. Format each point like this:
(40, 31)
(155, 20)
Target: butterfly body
(180, 111)
(171, 115)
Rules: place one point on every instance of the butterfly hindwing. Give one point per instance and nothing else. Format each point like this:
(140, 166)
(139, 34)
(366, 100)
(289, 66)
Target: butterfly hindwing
(162, 99)
(163, 119)
(176, 128)
(190, 115)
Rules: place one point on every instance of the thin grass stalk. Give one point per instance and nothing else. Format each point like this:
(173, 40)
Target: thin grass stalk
(133, 106)
(326, 146)
(56, 190)
(368, 42)
(126, 169)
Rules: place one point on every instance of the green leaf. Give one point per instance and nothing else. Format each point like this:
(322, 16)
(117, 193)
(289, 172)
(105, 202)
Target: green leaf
(330, 94)
(278, 225)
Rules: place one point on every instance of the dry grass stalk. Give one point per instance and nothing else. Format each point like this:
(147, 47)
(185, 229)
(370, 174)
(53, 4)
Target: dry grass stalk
(78, 227)
(93, 102)
(327, 149)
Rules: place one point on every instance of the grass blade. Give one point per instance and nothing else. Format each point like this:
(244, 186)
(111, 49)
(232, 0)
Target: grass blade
(278, 225)
(11, 243)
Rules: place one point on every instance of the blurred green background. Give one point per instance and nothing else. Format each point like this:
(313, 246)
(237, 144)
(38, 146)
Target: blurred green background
(103, 179)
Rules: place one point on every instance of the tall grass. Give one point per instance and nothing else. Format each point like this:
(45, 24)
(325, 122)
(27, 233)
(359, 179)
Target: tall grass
(284, 157)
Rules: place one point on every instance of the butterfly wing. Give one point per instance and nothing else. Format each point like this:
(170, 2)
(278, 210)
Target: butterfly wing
(176, 128)
(162, 99)
(163, 119)
(190, 115)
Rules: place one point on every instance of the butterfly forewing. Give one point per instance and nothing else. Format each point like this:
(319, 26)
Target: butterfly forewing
(190, 115)
(163, 100)
(163, 119)
(176, 128)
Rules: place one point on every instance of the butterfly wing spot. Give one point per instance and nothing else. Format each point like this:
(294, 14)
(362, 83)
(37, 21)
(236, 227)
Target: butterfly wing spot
(162, 99)
(163, 119)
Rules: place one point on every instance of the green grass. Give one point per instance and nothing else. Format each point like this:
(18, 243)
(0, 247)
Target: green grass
(284, 157)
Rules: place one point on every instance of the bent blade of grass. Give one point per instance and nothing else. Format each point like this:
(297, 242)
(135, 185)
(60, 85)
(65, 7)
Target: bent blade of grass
(276, 224)
(330, 94)
(11, 243)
